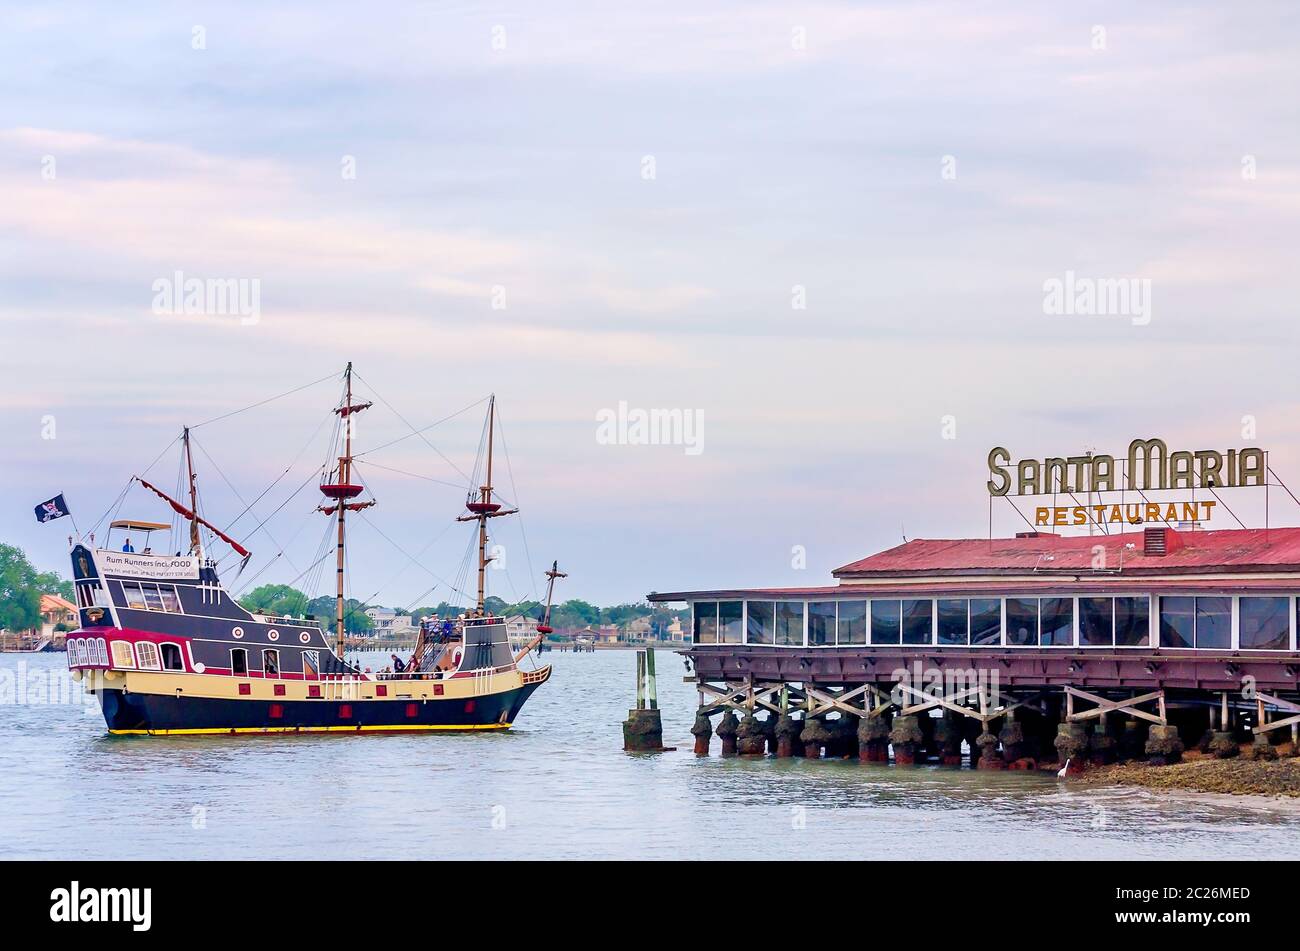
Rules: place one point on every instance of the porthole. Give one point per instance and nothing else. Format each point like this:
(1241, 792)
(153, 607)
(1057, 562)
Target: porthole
(238, 632)
(305, 637)
(273, 635)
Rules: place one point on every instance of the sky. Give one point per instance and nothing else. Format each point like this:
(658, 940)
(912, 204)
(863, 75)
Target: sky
(821, 232)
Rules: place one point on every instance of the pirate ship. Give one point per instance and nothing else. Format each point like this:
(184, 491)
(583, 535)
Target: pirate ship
(169, 650)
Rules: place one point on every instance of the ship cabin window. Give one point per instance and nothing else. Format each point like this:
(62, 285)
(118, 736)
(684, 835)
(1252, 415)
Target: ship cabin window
(172, 659)
(271, 662)
(122, 654)
(101, 652)
(90, 595)
(1196, 622)
(731, 622)
(886, 621)
(171, 602)
(918, 621)
(152, 598)
(760, 625)
(789, 623)
(239, 661)
(986, 622)
(311, 665)
(852, 622)
(821, 624)
(706, 622)
(147, 655)
(1264, 624)
(954, 621)
(133, 595)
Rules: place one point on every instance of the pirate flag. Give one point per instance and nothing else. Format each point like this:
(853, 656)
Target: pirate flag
(54, 508)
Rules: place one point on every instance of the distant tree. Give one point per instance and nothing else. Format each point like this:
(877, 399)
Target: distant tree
(50, 582)
(355, 620)
(275, 599)
(20, 594)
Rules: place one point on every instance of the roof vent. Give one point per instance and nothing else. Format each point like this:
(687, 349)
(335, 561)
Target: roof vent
(1158, 542)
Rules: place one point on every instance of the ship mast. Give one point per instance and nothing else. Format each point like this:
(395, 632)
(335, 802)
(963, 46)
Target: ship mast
(196, 541)
(545, 626)
(341, 490)
(484, 508)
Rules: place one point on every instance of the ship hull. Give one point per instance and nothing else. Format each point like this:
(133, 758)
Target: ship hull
(161, 715)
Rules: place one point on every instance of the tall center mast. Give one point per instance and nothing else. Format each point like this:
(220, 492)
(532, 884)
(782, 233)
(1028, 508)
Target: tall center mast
(196, 541)
(483, 508)
(341, 489)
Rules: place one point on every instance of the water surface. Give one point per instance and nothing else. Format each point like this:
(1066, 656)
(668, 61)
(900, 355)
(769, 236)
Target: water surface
(557, 786)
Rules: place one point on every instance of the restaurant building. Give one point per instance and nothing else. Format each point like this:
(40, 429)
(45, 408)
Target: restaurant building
(1168, 630)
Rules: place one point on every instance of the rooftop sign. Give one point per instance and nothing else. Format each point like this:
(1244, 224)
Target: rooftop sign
(1150, 465)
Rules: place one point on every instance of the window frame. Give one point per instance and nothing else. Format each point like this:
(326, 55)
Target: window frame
(279, 670)
(142, 650)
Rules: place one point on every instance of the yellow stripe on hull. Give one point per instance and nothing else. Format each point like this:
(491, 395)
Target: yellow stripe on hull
(394, 728)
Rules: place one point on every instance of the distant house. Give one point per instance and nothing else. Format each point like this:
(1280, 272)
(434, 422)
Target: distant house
(56, 610)
(520, 625)
(385, 622)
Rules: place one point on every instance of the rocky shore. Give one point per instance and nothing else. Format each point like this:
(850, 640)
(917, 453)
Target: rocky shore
(1240, 776)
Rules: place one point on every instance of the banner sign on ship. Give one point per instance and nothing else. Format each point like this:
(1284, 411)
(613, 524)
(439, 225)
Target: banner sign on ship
(155, 567)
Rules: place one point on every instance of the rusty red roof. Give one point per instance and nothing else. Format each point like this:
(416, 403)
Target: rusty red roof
(1051, 564)
(1229, 550)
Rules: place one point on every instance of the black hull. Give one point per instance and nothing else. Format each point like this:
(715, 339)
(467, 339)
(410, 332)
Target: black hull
(153, 713)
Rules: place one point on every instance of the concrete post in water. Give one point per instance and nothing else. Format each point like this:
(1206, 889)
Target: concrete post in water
(1163, 745)
(989, 757)
(814, 737)
(1223, 745)
(767, 727)
(727, 728)
(787, 732)
(1262, 749)
(703, 732)
(1101, 745)
(643, 730)
(947, 736)
(1072, 745)
(906, 737)
(873, 738)
(750, 740)
(1012, 737)
(1133, 741)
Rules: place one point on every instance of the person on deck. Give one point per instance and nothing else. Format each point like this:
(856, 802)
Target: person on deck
(398, 664)
(127, 547)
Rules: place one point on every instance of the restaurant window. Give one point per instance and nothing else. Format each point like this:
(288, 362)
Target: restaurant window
(886, 622)
(789, 623)
(1214, 623)
(271, 662)
(918, 621)
(171, 657)
(239, 661)
(986, 621)
(706, 622)
(147, 654)
(760, 627)
(821, 623)
(122, 655)
(853, 622)
(1132, 622)
(1096, 622)
(1177, 622)
(133, 596)
(1264, 624)
(1022, 622)
(731, 622)
(1057, 622)
(953, 620)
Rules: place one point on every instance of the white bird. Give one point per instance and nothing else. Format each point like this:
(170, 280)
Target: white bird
(1060, 773)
